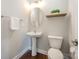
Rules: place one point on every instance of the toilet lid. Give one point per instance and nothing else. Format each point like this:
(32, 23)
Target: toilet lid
(55, 54)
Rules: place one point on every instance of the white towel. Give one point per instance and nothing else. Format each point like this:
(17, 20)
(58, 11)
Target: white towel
(15, 23)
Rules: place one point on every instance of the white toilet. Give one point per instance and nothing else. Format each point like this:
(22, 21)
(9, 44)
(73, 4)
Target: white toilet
(55, 43)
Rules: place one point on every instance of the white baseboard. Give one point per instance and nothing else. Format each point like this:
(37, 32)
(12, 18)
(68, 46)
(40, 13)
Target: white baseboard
(26, 49)
(21, 53)
(42, 51)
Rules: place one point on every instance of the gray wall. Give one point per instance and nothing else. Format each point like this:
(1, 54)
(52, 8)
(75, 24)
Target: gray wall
(55, 25)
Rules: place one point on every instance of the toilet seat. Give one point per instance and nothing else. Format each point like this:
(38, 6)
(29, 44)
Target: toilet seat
(55, 54)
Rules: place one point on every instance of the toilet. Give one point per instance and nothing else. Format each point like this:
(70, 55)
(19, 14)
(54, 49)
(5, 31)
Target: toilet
(55, 43)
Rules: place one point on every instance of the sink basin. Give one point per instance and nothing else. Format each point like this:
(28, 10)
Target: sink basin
(34, 34)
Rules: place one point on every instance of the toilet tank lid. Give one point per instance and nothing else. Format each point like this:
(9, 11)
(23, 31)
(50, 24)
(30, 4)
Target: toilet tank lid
(56, 37)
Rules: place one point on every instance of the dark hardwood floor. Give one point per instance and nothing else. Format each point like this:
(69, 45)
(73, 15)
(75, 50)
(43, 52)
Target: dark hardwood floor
(28, 55)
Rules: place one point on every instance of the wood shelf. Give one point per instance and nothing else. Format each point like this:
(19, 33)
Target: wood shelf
(56, 14)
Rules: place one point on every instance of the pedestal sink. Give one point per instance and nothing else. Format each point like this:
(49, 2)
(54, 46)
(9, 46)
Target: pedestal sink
(34, 36)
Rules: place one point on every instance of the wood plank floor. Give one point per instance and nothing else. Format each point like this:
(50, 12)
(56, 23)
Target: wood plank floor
(28, 55)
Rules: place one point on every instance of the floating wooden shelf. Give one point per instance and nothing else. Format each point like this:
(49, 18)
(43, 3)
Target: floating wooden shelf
(56, 14)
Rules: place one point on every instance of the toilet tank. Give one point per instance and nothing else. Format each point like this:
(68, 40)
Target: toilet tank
(55, 41)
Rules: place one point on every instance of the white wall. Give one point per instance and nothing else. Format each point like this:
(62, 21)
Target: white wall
(73, 9)
(13, 42)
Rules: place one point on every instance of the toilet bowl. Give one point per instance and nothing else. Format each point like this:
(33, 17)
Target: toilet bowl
(54, 54)
(55, 43)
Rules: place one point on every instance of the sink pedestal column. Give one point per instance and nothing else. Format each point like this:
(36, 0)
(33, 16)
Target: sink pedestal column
(34, 37)
(34, 49)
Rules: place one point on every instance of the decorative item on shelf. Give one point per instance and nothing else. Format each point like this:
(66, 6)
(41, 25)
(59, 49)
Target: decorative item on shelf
(55, 11)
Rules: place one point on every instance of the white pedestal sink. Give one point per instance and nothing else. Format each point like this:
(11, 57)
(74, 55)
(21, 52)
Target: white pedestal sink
(34, 35)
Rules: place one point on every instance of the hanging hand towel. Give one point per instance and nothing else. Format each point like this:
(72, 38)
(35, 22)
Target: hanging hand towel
(15, 23)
